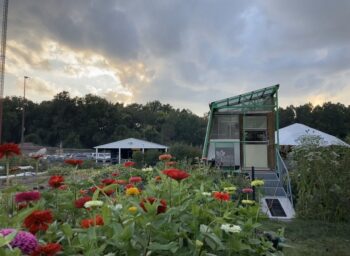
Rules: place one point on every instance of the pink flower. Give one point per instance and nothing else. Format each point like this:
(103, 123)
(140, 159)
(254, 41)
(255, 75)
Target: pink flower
(135, 179)
(27, 196)
(247, 190)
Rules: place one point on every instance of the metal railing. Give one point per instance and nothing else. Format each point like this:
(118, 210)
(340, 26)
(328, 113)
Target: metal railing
(283, 174)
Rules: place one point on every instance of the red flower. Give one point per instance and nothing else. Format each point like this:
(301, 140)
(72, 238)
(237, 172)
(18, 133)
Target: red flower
(129, 186)
(79, 203)
(109, 181)
(129, 164)
(36, 157)
(165, 157)
(122, 182)
(63, 187)
(50, 249)
(115, 174)
(135, 179)
(74, 162)
(38, 220)
(9, 149)
(56, 181)
(27, 196)
(247, 190)
(160, 209)
(171, 163)
(222, 196)
(86, 223)
(21, 206)
(176, 174)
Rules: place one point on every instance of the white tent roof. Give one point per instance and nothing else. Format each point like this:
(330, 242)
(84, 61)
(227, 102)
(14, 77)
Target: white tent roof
(132, 143)
(289, 135)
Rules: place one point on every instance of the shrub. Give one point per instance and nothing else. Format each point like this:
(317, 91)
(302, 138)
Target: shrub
(185, 152)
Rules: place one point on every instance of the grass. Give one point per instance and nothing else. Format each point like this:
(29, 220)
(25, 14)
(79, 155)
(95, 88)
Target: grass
(309, 237)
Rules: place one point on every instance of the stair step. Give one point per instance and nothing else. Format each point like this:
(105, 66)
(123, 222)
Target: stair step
(274, 191)
(266, 176)
(272, 183)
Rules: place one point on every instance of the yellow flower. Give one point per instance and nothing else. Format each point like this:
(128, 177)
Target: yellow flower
(248, 202)
(132, 209)
(132, 191)
(230, 189)
(257, 183)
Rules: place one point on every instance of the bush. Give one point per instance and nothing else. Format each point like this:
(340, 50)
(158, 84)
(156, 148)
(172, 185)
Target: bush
(137, 157)
(321, 176)
(185, 152)
(151, 157)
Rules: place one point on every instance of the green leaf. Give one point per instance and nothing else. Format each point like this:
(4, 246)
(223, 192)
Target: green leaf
(67, 230)
(172, 246)
(7, 239)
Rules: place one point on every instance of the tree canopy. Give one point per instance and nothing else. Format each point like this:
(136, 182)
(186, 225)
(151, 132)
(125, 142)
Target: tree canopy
(84, 122)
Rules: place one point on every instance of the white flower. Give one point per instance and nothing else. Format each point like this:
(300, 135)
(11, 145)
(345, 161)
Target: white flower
(148, 169)
(206, 194)
(117, 207)
(93, 203)
(230, 228)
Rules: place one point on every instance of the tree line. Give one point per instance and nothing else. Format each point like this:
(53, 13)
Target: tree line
(84, 122)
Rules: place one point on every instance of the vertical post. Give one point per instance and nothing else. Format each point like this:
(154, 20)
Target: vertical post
(120, 155)
(253, 178)
(96, 155)
(23, 111)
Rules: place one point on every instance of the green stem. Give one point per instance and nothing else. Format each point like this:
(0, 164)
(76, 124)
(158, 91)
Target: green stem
(7, 171)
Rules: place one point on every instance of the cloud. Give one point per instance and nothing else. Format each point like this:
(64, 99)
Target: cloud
(186, 53)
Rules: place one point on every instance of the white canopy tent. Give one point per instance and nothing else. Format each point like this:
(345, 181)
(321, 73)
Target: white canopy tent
(291, 135)
(130, 143)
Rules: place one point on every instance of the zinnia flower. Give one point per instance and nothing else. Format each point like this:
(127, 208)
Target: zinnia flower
(27, 196)
(248, 202)
(9, 150)
(230, 189)
(23, 240)
(135, 179)
(206, 194)
(63, 187)
(38, 220)
(121, 182)
(36, 157)
(74, 162)
(86, 223)
(257, 183)
(171, 163)
(132, 209)
(50, 249)
(56, 181)
(230, 228)
(115, 174)
(93, 203)
(165, 157)
(161, 207)
(148, 169)
(129, 164)
(109, 181)
(132, 191)
(176, 174)
(247, 190)
(221, 196)
(79, 203)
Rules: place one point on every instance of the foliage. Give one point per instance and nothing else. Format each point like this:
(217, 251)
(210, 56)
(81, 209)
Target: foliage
(91, 120)
(137, 157)
(321, 176)
(185, 152)
(151, 157)
(180, 219)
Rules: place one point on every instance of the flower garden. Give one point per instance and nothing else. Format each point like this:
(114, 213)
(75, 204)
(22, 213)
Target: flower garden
(169, 209)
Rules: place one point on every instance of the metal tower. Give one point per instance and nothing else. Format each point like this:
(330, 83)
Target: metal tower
(2, 59)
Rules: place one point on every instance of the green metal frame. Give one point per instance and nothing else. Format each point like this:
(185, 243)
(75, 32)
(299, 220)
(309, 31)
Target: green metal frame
(251, 101)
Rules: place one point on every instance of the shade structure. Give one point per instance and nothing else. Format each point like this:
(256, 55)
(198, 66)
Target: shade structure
(129, 144)
(292, 134)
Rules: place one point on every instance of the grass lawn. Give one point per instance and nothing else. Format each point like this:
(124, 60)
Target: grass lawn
(308, 237)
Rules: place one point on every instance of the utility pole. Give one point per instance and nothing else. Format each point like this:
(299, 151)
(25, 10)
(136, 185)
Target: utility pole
(23, 110)
(2, 59)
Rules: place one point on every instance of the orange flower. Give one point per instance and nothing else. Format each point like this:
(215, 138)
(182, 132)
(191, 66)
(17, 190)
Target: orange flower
(56, 181)
(165, 157)
(221, 196)
(86, 223)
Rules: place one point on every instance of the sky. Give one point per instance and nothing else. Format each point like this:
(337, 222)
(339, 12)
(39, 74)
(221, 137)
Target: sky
(187, 53)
